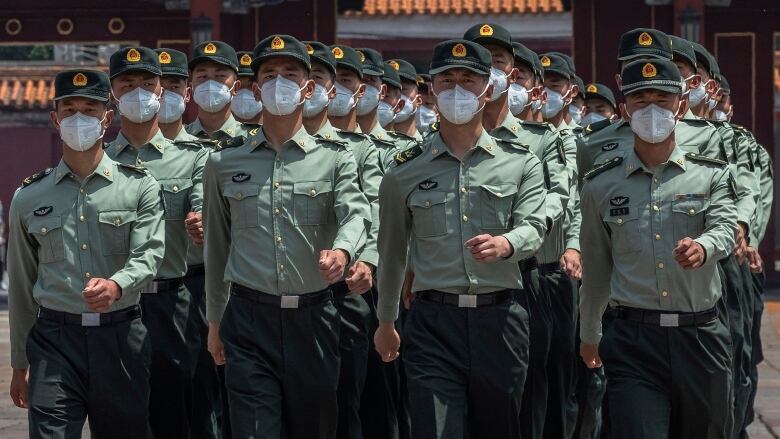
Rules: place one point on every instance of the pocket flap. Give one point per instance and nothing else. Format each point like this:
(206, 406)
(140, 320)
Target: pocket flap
(241, 191)
(501, 190)
(312, 188)
(427, 199)
(43, 226)
(176, 185)
(689, 206)
(117, 218)
(620, 220)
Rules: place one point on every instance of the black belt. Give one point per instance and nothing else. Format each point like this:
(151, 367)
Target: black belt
(299, 301)
(666, 319)
(550, 267)
(91, 318)
(340, 290)
(195, 270)
(162, 286)
(532, 263)
(467, 300)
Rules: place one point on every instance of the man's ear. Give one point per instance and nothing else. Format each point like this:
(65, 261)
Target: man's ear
(108, 119)
(187, 94)
(619, 81)
(382, 91)
(417, 101)
(694, 82)
(399, 106)
(331, 92)
(236, 87)
(54, 121)
(623, 111)
(256, 91)
(683, 109)
(513, 75)
(308, 89)
(361, 90)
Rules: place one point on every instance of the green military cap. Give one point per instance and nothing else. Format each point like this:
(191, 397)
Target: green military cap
(580, 85)
(460, 53)
(245, 63)
(525, 55)
(552, 63)
(538, 69)
(423, 81)
(347, 58)
(682, 49)
(569, 61)
(321, 53)
(658, 74)
(172, 62)
(373, 63)
(600, 91)
(706, 59)
(404, 68)
(489, 33)
(131, 59)
(644, 43)
(280, 46)
(92, 84)
(724, 86)
(390, 75)
(216, 51)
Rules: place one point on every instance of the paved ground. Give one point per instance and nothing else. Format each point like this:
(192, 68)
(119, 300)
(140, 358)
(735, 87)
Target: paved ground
(13, 421)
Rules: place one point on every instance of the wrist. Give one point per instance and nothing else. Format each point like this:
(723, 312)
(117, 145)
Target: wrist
(343, 254)
(386, 325)
(507, 250)
(118, 294)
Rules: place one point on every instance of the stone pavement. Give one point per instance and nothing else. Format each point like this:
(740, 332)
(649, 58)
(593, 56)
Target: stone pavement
(13, 421)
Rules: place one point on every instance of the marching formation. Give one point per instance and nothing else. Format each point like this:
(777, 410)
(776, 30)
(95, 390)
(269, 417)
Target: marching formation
(340, 246)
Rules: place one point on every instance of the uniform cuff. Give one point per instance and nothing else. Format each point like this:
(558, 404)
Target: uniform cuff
(347, 247)
(387, 312)
(123, 280)
(711, 256)
(19, 359)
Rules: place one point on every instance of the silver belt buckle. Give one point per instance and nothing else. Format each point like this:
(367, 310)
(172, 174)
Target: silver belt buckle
(467, 301)
(290, 302)
(670, 320)
(150, 288)
(90, 319)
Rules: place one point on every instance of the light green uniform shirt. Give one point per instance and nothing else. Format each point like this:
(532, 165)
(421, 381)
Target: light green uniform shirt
(268, 215)
(766, 186)
(433, 203)
(738, 147)
(178, 167)
(388, 145)
(231, 128)
(63, 232)
(572, 222)
(632, 219)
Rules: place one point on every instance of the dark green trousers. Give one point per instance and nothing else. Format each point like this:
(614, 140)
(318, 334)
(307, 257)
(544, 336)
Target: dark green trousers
(206, 401)
(353, 349)
(167, 315)
(757, 350)
(465, 368)
(670, 383)
(99, 373)
(281, 369)
(534, 406)
(564, 354)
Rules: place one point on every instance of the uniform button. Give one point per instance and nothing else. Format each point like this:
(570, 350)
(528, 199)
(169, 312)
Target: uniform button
(277, 211)
(312, 192)
(655, 180)
(620, 220)
(657, 237)
(655, 208)
(465, 218)
(81, 190)
(82, 219)
(661, 265)
(87, 274)
(281, 267)
(176, 188)
(427, 204)
(664, 293)
(44, 230)
(239, 195)
(463, 189)
(117, 221)
(434, 151)
(277, 184)
(278, 239)
(138, 161)
(692, 211)
(83, 246)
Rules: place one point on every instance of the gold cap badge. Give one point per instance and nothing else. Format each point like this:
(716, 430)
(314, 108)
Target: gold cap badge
(133, 55)
(486, 30)
(210, 49)
(80, 80)
(459, 50)
(394, 64)
(649, 71)
(165, 58)
(545, 61)
(246, 60)
(645, 39)
(591, 88)
(337, 52)
(277, 43)
(309, 49)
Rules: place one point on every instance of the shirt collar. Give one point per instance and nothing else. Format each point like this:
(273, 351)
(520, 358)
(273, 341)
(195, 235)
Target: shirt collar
(157, 141)
(105, 168)
(484, 142)
(228, 127)
(327, 131)
(301, 138)
(634, 163)
(184, 136)
(380, 132)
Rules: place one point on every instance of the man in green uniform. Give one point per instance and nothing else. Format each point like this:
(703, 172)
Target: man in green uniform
(467, 195)
(244, 106)
(574, 117)
(168, 308)
(600, 105)
(426, 115)
(85, 237)
(666, 354)
(339, 70)
(175, 82)
(403, 124)
(284, 218)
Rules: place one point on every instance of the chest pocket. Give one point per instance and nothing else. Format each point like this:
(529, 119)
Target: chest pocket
(688, 217)
(48, 232)
(115, 227)
(496, 205)
(429, 214)
(176, 196)
(624, 230)
(244, 205)
(311, 202)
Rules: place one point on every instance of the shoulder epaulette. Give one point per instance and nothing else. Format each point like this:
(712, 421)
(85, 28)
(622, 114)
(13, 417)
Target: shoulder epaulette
(233, 142)
(603, 167)
(433, 128)
(360, 136)
(138, 169)
(37, 176)
(514, 143)
(377, 139)
(703, 158)
(338, 142)
(197, 144)
(407, 155)
(400, 135)
(250, 126)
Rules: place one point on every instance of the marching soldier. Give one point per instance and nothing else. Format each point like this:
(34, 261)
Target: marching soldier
(85, 237)
(403, 124)
(175, 82)
(426, 114)
(600, 105)
(284, 219)
(244, 106)
(168, 307)
(666, 354)
(467, 195)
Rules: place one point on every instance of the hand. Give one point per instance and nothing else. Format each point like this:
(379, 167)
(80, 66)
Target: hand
(487, 248)
(590, 355)
(689, 254)
(741, 248)
(194, 225)
(387, 342)
(360, 278)
(332, 265)
(571, 262)
(215, 346)
(755, 262)
(406, 294)
(19, 381)
(100, 294)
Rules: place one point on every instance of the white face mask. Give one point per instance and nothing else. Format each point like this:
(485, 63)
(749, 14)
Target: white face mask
(721, 116)
(369, 101)
(318, 101)
(554, 104)
(384, 114)
(171, 107)
(697, 95)
(244, 105)
(499, 81)
(281, 96)
(212, 96)
(536, 106)
(343, 103)
(711, 103)
(81, 132)
(518, 99)
(406, 112)
(592, 118)
(139, 105)
(576, 114)
(458, 105)
(653, 124)
(424, 119)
